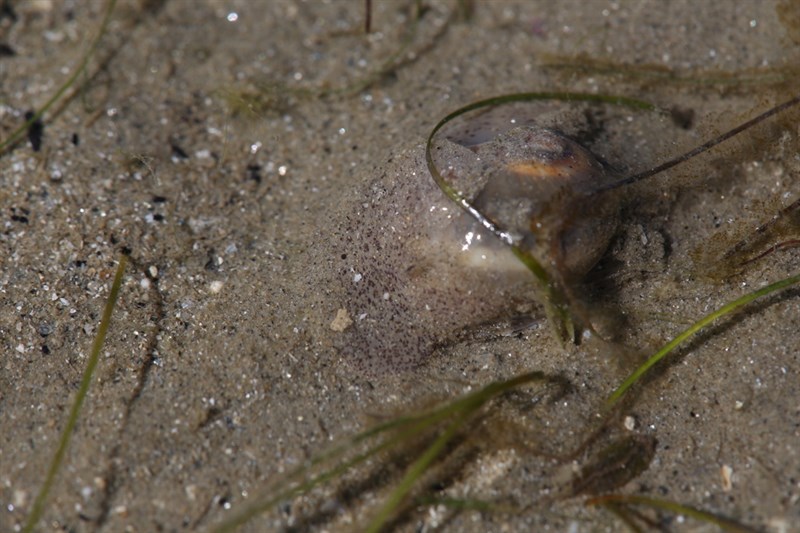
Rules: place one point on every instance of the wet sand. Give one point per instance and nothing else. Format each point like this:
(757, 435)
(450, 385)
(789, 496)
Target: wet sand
(222, 371)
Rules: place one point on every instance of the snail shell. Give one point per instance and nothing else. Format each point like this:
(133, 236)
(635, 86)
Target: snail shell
(417, 269)
(541, 186)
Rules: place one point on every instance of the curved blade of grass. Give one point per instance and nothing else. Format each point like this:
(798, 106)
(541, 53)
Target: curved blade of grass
(396, 433)
(623, 516)
(765, 76)
(77, 404)
(554, 299)
(726, 524)
(414, 473)
(396, 438)
(464, 408)
(402, 429)
(706, 146)
(17, 134)
(694, 328)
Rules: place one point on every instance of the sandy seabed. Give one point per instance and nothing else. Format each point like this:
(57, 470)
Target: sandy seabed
(222, 369)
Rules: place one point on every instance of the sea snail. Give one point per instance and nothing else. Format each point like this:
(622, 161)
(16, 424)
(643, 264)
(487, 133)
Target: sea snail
(542, 187)
(417, 269)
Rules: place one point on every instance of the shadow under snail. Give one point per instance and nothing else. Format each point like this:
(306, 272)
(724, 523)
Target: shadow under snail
(417, 269)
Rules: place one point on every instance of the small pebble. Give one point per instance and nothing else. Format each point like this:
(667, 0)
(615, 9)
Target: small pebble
(341, 321)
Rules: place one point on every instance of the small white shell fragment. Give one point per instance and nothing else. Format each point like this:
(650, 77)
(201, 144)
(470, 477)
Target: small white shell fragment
(629, 423)
(341, 321)
(725, 473)
(215, 286)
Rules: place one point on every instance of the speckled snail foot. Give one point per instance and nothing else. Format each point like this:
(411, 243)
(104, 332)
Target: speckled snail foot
(416, 269)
